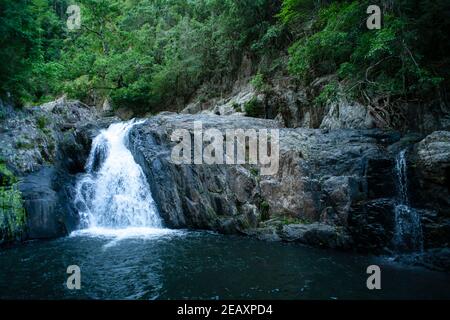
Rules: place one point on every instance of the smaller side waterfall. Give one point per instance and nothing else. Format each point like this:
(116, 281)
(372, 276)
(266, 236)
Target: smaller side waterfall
(408, 229)
(114, 192)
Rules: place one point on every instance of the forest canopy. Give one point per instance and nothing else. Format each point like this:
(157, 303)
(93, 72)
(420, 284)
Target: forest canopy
(147, 55)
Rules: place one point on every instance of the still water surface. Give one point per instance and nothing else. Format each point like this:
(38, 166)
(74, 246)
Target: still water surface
(168, 264)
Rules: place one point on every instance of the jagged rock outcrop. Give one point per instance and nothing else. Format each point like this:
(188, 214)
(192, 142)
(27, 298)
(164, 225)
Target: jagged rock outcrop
(231, 105)
(333, 188)
(342, 114)
(44, 147)
(294, 105)
(217, 197)
(430, 190)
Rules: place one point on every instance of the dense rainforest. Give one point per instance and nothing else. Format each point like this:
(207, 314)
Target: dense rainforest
(151, 55)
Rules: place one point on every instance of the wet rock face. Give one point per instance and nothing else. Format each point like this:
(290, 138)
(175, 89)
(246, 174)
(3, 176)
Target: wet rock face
(430, 186)
(432, 156)
(371, 224)
(45, 215)
(218, 197)
(327, 185)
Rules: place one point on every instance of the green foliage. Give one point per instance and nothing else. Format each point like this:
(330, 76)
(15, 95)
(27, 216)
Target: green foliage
(254, 108)
(236, 106)
(31, 34)
(150, 55)
(264, 208)
(143, 54)
(25, 145)
(42, 122)
(6, 176)
(254, 171)
(330, 46)
(294, 11)
(285, 220)
(329, 93)
(12, 212)
(391, 61)
(259, 83)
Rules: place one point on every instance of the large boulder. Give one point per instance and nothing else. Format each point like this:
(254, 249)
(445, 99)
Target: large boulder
(317, 234)
(45, 219)
(371, 224)
(325, 182)
(342, 114)
(45, 146)
(217, 197)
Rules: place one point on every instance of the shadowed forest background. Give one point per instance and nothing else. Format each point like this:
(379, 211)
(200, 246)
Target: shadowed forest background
(151, 55)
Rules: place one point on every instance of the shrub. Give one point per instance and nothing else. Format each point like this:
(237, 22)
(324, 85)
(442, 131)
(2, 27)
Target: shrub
(42, 122)
(236, 106)
(329, 93)
(12, 212)
(254, 108)
(391, 61)
(264, 207)
(21, 144)
(259, 83)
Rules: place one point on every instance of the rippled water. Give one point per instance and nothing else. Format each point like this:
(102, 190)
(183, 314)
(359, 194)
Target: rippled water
(145, 263)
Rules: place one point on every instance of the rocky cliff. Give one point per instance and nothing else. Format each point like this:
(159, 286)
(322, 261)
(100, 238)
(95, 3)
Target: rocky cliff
(294, 105)
(334, 188)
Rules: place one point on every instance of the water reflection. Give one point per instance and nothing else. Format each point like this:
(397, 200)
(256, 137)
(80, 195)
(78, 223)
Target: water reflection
(201, 265)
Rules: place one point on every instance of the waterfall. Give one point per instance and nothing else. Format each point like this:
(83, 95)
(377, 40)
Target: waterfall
(408, 229)
(114, 193)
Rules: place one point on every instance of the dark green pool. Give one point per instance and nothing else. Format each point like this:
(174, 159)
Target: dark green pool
(191, 265)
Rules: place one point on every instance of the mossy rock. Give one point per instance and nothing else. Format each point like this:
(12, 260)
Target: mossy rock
(7, 178)
(264, 207)
(25, 145)
(294, 220)
(12, 214)
(254, 108)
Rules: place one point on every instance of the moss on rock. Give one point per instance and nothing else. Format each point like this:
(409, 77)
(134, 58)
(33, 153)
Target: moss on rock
(12, 212)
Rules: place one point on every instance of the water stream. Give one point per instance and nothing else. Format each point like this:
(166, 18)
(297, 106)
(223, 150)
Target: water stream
(408, 229)
(113, 194)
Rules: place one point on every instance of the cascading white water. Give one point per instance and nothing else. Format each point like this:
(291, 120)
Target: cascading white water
(114, 193)
(408, 229)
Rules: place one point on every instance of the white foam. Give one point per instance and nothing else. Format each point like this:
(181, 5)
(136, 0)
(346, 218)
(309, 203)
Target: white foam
(117, 235)
(125, 233)
(114, 192)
